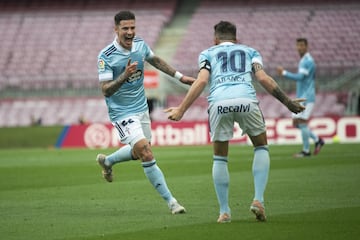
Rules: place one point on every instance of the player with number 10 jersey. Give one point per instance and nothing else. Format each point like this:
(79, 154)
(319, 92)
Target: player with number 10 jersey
(230, 66)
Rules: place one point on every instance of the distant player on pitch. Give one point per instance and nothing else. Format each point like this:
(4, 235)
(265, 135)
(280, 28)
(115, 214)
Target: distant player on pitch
(305, 88)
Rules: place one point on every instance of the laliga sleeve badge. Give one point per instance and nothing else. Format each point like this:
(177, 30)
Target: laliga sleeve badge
(101, 65)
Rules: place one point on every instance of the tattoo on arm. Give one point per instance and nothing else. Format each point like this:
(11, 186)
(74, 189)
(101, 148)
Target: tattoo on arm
(280, 95)
(109, 88)
(256, 67)
(162, 65)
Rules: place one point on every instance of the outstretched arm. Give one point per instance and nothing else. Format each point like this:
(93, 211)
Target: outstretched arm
(273, 88)
(176, 113)
(163, 66)
(292, 76)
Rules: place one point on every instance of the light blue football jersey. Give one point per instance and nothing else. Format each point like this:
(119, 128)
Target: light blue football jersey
(305, 78)
(130, 98)
(231, 69)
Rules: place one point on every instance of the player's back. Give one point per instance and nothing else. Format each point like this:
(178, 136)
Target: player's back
(231, 68)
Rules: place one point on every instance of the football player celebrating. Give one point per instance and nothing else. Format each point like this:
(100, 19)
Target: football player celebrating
(228, 68)
(121, 76)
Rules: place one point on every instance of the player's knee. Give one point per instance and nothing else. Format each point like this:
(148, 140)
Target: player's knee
(259, 140)
(145, 154)
(147, 157)
(134, 156)
(143, 151)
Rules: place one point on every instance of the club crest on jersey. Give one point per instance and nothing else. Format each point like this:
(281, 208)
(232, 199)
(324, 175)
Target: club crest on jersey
(101, 65)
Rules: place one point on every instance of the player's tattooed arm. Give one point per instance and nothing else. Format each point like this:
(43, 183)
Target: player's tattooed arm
(281, 96)
(270, 85)
(110, 87)
(162, 65)
(273, 88)
(292, 104)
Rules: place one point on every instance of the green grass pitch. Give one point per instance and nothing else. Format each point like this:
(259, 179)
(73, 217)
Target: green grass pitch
(60, 194)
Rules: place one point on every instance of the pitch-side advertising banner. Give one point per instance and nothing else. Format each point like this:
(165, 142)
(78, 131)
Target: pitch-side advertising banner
(279, 131)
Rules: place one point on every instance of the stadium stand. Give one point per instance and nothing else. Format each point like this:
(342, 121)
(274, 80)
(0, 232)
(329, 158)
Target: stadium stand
(52, 111)
(51, 46)
(54, 44)
(69, 110)
(272, 26)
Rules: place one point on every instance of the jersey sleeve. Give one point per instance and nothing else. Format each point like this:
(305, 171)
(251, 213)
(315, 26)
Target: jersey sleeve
(204, 62)
(148, 52)
(303, 71)
(305, 67)
(104, 70)
(256, 57)
(294, 76)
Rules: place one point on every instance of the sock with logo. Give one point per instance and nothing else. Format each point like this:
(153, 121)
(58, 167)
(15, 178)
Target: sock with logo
(157, 179)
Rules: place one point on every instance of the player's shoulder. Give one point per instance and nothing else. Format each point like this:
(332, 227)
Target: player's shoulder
(139, 43)
(247, 48)
(308, 59)
(108, 50)
(217, 48)
(138, 39)
(210, 51)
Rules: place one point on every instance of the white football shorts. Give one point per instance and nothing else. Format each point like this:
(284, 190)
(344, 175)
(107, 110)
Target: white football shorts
(306, 113)
(223, 114)
(134, 128)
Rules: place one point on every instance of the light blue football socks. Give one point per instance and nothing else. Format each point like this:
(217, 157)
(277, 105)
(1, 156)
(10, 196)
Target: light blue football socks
(260, 169)
(151, 170)
(305, 134)
(123, 154)
(221, 180)
(313, 136)
(157, 179)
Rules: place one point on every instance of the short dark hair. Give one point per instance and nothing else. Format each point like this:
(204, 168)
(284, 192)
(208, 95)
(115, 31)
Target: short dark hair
(225, 30)
(304, 40)
(123, 15)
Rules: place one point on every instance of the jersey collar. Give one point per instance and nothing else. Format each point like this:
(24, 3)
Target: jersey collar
(227, 43)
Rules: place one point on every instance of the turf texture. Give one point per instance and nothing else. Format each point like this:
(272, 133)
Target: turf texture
(60, 194)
